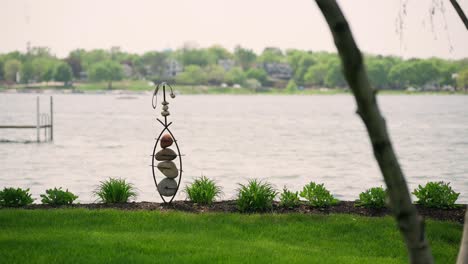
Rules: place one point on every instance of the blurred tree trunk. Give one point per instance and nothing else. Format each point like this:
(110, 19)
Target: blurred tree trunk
(463, 254)
(411, 225)
(460, 12)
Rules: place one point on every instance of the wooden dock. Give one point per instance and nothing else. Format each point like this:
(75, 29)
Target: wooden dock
(43, 121)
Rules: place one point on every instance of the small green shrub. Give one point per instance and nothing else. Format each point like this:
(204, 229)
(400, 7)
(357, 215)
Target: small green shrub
(11, 197)
(372, 198)
(255, 196)
(289, 199)
(436, 195)
(203, 191)
(115, 191)
(58, 197)
(317, 195)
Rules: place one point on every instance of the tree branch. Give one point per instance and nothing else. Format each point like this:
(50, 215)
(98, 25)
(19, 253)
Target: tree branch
(409, 222)
(460, 12)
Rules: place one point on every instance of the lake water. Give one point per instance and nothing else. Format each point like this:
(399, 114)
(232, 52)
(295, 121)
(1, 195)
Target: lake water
(287, 140)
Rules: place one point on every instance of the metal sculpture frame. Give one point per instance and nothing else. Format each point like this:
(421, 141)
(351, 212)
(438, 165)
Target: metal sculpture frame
(165, 128)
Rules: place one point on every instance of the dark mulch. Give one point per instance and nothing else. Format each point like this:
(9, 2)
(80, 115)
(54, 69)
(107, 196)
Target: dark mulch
(345, 207)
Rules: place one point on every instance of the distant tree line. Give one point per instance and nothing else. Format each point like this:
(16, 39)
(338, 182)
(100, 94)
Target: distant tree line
(218, 66)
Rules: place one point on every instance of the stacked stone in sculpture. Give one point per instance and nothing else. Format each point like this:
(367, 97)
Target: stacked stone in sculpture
(168, 186)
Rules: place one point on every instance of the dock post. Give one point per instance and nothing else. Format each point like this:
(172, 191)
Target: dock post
(51, 118)
(37, 121)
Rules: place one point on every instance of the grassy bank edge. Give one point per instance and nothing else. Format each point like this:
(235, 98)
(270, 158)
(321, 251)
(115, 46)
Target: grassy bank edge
(230, 206)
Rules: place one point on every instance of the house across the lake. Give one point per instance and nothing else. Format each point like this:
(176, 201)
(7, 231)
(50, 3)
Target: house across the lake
(278, 73)
(173, 68)
(277, 70)
(227, 64)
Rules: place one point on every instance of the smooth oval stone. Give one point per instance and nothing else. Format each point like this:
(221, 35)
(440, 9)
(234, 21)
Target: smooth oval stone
(167, 187)
(165, 154)
(168, 168)
(166, 141)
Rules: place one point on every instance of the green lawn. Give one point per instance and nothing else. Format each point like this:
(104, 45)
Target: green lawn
(104, 236)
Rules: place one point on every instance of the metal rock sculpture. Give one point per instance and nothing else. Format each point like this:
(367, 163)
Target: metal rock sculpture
(165, 157)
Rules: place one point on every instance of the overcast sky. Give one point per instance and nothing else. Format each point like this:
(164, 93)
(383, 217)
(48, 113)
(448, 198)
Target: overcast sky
(143, 25)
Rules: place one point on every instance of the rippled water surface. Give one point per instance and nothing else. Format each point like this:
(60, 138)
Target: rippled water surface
(289, 140)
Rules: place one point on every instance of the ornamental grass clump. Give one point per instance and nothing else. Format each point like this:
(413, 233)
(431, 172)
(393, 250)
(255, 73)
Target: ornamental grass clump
(436, 195)
(203, 191)
(289, 199)
(11, 197)
(58, 197)
(317, 195)
(255, 196)
(115, 191)
(372, 198)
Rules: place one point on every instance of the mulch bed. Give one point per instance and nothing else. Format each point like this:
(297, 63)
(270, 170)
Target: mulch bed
(345, 207)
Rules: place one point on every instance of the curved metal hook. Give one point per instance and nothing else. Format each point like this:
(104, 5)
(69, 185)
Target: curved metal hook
(154, 99)
(172, 91)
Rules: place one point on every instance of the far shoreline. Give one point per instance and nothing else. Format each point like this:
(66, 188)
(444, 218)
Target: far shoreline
(210, 90)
